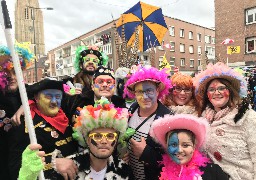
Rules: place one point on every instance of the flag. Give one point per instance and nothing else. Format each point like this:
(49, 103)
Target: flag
(227, 41)
(164, 63)
(168, 46)
(233, 49)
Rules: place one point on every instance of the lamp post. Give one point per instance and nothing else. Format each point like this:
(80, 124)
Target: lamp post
(34, 31)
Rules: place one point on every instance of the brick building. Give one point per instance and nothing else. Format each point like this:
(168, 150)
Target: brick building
(188, 41)
(236, 20)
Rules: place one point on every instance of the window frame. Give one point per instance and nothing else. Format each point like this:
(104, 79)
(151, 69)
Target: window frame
(247, 11)
(246, 45)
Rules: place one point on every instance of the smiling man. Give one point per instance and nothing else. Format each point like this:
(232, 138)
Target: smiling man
(147, 86)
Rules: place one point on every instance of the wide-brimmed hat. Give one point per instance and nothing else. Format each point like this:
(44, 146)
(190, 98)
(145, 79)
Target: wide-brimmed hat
(43, 85)
(83, 51)
(199, 126)
(102, 115)
(148, 74)
(220, 71)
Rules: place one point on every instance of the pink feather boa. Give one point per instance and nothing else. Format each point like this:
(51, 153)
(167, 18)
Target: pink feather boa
(174, 171)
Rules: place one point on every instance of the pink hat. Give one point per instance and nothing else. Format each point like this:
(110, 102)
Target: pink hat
(160, 127)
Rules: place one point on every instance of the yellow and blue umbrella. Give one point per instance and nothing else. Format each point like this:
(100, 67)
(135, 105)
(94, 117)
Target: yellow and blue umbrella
(150, 23)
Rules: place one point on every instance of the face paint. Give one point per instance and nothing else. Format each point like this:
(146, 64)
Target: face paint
(146, 94)
(173, 147)
(94, 142)
(104, 86)
(49, 101)
(90, 62)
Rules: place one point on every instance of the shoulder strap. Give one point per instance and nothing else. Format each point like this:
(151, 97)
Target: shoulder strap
(145, 120)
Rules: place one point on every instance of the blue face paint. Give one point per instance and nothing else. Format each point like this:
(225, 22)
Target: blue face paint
(147, 86)
(54, 95)
(173, 147)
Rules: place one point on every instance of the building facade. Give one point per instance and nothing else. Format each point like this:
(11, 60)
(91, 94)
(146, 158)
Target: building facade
(189, 43)
(29, 27)
(236, 20)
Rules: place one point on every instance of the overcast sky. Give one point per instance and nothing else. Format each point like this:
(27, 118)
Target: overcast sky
(72, 18)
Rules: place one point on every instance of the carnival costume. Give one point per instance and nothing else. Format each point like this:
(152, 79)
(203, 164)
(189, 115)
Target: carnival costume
(147, 166)
(231, 142)
(199, 166)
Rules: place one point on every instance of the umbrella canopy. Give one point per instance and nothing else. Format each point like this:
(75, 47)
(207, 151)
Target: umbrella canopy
(149, 21)
(227, 41)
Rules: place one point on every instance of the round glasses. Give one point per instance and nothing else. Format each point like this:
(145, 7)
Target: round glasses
(220, 89)
(179, 89)
(99, 136)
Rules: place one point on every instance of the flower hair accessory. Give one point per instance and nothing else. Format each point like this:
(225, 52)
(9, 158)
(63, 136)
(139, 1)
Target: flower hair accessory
(148, 74)
(222, 71)
(102, 114)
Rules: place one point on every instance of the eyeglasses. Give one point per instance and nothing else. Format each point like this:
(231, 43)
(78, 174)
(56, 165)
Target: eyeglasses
(88, 59)
(149, 91)
(99, 136)
(179, 89)
(220, 89)
(100, 81)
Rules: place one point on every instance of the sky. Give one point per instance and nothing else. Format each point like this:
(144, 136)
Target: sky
(72, 18)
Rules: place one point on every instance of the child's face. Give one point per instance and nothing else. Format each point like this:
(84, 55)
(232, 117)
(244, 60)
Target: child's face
(180, 147)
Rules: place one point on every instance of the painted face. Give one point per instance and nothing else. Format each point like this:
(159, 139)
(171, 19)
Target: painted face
(180, 147)
(103, 148)
(90, 62)
(104, 85)
(12, 84)
(146, 94)
(49, 101)
(218, 94)
(181, 95)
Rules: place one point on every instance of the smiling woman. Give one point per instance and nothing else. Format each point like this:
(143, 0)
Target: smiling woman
(222, 92)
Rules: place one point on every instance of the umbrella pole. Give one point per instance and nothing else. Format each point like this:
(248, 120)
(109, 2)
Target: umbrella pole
(19, 75)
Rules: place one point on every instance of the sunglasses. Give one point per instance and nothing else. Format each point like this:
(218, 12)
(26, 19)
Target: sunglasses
(100, 81)
(99, 136)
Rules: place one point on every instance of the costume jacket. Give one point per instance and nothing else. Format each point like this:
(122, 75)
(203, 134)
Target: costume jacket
(48, 136)
(233, 145)
(153, 151)
(117, 169)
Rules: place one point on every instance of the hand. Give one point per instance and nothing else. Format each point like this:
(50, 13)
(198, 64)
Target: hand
(126, 157)
(138, 147)
(36, 147)
(74, 92)
(16, 117)
(66, 167)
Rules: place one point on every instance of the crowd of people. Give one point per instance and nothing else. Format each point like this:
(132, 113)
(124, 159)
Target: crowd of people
(175, 127)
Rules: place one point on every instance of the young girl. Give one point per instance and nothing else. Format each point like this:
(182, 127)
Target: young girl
(181, 137)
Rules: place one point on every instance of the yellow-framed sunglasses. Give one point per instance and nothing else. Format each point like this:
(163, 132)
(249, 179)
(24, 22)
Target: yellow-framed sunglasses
(99, 136)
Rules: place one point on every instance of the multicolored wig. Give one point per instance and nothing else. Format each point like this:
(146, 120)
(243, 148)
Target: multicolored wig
(102, 114)
(83, 51)
(148, 74)
(25, 56)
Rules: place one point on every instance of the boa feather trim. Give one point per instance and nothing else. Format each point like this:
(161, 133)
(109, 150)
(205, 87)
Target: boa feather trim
(174, 171)
(150, 74)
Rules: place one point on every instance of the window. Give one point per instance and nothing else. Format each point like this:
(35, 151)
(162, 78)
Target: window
(251, 45)
(26, 13)
(213, 40)
(182, 48)
(172, 61)
(182, 33)
(191, 63)
(199, 37)
(190, 35)
(191, 49)
(199, 62)
(207, 39)
(250, 15)
(145, 58)
(199, 49)
(172, 44)
(182, 62)
(172, 31)
(210, 50)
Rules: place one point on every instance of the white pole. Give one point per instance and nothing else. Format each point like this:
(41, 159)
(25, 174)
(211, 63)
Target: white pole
(19, 75)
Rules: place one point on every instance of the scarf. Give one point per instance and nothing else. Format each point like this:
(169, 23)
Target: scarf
(212, 115)
(60, 121)
(189, 171)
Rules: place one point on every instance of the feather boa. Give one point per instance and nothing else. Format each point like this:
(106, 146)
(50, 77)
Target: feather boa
(173, 171)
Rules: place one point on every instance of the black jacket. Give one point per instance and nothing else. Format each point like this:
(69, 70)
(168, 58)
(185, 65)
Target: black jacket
(213, 172)
(153, 151)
